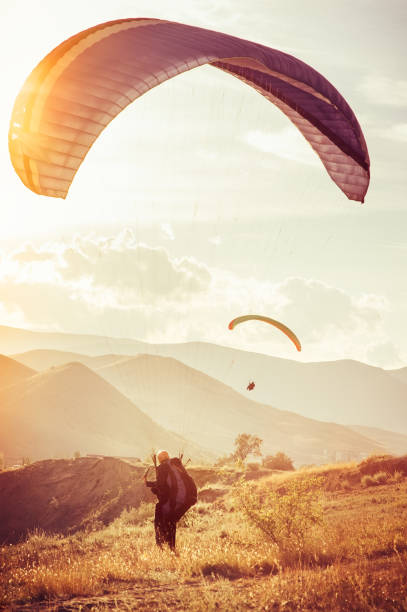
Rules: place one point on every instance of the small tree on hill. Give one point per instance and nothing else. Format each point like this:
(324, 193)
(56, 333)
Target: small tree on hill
(77, 454)
(247, 444)
(279, 461)
(2, 462)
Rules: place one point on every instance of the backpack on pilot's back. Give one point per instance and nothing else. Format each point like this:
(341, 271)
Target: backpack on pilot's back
(191, 494)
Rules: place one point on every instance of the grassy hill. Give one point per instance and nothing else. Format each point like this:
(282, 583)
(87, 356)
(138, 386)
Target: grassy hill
(352, 558)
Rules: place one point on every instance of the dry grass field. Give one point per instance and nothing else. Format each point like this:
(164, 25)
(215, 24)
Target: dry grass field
(352, 557)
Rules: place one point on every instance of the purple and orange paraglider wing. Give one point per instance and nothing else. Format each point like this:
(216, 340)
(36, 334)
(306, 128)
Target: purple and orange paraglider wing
(251, 317)
(85, 82)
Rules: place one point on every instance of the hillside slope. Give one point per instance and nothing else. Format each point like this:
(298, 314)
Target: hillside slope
(71, 408)
(12, 371)
(212, 414)
(396, 443)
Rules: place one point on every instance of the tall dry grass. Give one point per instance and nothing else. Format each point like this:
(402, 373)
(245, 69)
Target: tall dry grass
(356, 559)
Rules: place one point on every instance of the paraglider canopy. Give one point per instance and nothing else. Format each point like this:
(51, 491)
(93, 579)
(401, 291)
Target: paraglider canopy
(286, 330)
(85, 82)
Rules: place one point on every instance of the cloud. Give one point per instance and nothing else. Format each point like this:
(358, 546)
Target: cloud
(385, 91)
(117, 264)
(384, 354)
(287, 143)
(118, 286)
(168, 231)
(324, 308)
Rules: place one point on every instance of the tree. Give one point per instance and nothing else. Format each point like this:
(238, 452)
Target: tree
(2, 461)
(77, 454)
(279, 461)
(247, 444)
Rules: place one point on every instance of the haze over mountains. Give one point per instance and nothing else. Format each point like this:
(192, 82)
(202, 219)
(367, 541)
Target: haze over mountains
(70, 408)
(344, 391)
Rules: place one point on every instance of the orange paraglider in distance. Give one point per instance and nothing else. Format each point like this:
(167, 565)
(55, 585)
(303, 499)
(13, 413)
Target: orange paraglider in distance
(286, 330)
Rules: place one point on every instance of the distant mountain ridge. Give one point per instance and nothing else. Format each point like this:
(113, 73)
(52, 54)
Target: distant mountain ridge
(211, 414)
(343, 391)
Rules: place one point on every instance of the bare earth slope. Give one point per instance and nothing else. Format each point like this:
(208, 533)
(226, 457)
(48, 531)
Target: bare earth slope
(69, 408)
(12, 371)
(61, 495)
(343, 391)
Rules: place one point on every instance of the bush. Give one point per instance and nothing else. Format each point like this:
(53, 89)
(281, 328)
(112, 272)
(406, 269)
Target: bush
(377, 479)
(381, 477)
(368, 481)
(397, 476)
(279, 461)
(286, 518)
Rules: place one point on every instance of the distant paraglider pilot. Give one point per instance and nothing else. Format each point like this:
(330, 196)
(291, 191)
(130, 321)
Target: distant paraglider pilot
(176, 492)
(250, 386)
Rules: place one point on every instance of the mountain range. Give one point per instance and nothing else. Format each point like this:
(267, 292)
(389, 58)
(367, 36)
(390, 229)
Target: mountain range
(314, 401)
(343, 391)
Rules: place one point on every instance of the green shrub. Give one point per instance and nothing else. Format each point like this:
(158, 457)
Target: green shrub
(286, 518)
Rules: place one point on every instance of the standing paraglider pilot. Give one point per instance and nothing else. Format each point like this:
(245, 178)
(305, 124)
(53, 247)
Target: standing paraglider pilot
(176, 492)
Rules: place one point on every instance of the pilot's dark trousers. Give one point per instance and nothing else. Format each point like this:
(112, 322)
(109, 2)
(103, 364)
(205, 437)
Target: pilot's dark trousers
(165, 528)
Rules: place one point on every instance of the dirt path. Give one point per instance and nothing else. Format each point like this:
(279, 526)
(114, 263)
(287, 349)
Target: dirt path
(190, 595)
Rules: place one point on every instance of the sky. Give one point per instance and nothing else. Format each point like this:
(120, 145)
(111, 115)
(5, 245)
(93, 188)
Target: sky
(201, 202)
